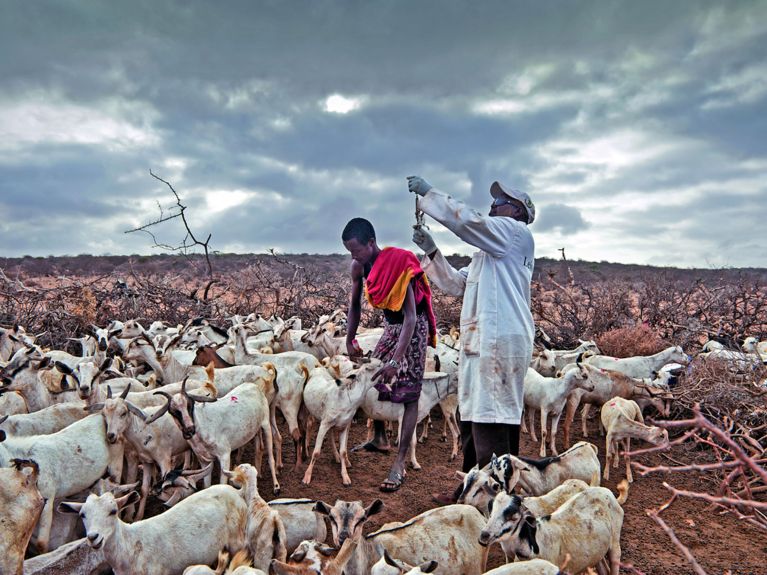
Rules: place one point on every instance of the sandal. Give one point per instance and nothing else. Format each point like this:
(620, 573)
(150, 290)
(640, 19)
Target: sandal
(392, 483)
(371, 447)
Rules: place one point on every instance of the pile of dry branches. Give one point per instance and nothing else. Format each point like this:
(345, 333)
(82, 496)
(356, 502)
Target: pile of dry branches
(737, 474)
(686, 312)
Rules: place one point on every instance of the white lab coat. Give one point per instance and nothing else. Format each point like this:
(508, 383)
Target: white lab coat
(497, 327)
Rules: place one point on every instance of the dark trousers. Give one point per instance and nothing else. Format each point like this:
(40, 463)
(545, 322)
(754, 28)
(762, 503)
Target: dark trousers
(481, 440)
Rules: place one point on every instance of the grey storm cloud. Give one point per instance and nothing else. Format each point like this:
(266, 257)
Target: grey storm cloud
(566, 219)
(631, 124)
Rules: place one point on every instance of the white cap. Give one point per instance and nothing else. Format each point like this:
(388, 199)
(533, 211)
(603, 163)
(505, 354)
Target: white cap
(498, 189)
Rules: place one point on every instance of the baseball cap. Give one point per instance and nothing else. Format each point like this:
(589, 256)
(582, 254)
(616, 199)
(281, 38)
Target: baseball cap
(497, 189)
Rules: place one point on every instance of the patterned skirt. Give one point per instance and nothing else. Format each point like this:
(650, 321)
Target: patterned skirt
(407, 385)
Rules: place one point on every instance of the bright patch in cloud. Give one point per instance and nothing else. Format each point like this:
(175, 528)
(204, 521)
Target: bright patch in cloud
(45, 119)
(337, 104)
(222, 200)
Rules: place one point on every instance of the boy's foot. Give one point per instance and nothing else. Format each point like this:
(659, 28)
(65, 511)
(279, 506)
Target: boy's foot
(392, 483)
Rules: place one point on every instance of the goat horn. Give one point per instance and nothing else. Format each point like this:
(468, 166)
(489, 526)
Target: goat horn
(135, 410)
(201, 398)
(159, 413)
(2, 419)
(205, 469)
(109, 392)
(126, 391)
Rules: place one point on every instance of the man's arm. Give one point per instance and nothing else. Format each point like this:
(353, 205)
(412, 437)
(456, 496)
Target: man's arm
(355, 308)
(491, 235)
(437, 268)
(443, 275)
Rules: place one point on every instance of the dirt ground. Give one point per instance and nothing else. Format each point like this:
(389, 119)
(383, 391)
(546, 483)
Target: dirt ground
(720, 542)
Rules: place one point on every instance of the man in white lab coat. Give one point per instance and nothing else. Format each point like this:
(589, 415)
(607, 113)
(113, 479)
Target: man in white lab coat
(497, 327)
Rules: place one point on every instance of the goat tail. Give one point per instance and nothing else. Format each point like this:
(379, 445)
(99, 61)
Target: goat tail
(623, 491)
(305, 371)
(272, 387)
(240, 559)
(270, 367)
(223, 559)
(279, 538)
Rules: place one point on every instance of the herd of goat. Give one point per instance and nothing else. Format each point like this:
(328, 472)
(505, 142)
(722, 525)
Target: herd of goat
(175, 403)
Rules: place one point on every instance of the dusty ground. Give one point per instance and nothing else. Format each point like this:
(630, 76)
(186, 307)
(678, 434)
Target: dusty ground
(719, 542)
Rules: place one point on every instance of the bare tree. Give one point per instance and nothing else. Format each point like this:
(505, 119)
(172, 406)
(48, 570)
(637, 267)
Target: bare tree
(189, 241)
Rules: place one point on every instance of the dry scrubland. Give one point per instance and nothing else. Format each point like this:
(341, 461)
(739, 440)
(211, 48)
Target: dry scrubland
(718, 511)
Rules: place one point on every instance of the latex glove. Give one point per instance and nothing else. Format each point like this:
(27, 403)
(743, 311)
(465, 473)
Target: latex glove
(424, 241)
(418, 185)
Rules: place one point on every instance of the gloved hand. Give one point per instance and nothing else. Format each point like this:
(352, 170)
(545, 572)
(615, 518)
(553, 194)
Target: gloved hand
(424, 241)
(418, 185)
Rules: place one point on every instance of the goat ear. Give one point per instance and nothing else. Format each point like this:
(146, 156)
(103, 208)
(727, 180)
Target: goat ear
(374, 508)
(298, 555)
(105, 364)
(69, 507)
(460, 475)
(322, 508)
(388, 559)
(63, 368)
(326, 550)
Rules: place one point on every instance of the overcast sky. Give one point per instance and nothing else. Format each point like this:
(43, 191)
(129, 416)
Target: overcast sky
(639, 128)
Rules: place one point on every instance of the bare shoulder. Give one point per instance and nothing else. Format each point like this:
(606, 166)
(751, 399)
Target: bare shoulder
(356, 270)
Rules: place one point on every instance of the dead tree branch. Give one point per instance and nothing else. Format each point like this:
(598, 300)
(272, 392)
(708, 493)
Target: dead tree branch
(189, 241)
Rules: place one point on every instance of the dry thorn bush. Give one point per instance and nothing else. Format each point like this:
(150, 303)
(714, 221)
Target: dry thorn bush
(631, 341)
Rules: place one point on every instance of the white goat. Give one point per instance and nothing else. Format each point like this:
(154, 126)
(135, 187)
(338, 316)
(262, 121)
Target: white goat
(191, 532)
(24, 374)
(539, 476)
(333, 402)
(293, 367)
(548, 395)
(301, 521)
(642, 365)
(753, 345)
(44, 422)
(222, 425)
(587, 527)
(448, 535)
(608, 384)
(70, 461)
(531, 567)
(435, 387)
(622, 418)
(264, 533)
(316, 558)
(549, 361)
(240, 564)
(12, 403)
(155, 443)
(20, 506)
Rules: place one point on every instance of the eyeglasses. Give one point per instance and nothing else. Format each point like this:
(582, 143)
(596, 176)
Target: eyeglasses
(498, 202)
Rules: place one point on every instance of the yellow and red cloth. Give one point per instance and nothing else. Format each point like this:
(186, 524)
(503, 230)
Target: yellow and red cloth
(386, 284)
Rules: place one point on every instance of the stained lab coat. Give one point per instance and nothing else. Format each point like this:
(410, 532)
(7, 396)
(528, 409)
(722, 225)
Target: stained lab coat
(497, 326)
